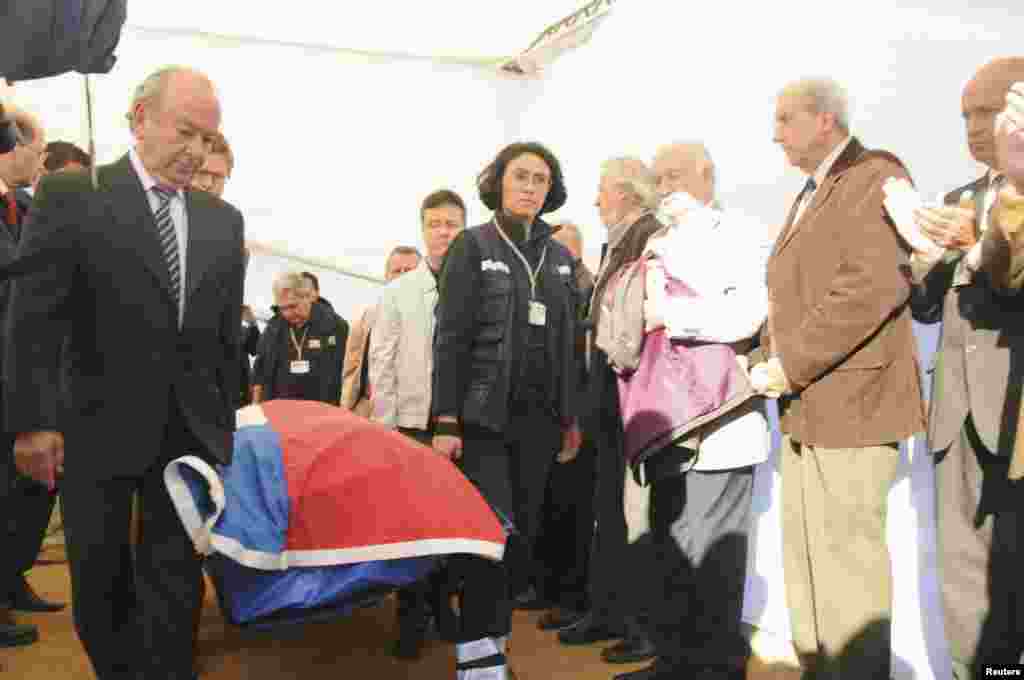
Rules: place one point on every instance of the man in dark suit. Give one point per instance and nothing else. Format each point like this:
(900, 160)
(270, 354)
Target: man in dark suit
(25, 506)
(976, 397)
(144, 278)
(841, 356)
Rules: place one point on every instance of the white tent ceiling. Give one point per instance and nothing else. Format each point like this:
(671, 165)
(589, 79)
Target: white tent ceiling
(462, 29)
(336, 148)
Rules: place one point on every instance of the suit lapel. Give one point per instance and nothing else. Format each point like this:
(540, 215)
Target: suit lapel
(429, 291)
(843, 163)
(137, 226)
(201, 252)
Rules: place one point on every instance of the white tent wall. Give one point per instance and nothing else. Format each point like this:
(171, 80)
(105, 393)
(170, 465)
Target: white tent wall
(334, 150)
(659, 71)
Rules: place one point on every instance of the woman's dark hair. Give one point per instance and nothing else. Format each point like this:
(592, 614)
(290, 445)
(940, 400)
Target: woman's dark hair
(489, 181)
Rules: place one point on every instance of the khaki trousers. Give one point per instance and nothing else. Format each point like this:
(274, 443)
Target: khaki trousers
(836, 561)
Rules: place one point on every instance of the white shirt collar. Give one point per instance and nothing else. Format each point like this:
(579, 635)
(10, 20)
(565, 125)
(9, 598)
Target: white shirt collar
(148, 181)
(826, 165)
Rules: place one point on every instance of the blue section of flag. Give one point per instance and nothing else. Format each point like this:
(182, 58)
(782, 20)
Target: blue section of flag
(298, 594)
(256, 491)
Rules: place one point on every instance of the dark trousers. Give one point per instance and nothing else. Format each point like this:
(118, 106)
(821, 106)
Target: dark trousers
(617, 599)
(700, 522)
(567, 532)
(511, 470)
(429, 595)
(980, 539)
(25, 509)
(145, 631)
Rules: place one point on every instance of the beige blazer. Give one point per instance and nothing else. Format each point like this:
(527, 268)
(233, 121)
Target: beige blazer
(401, 350)
(352, 369)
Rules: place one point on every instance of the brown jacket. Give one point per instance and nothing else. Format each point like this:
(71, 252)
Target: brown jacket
(352, 373)
(839, 320)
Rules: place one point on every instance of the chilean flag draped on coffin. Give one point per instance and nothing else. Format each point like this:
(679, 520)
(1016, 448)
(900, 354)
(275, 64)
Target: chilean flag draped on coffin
(320, 507)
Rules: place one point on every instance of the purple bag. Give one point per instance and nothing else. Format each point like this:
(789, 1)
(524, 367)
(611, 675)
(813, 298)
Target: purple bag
(678, 386)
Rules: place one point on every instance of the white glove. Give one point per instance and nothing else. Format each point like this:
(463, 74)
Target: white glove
(768, 379)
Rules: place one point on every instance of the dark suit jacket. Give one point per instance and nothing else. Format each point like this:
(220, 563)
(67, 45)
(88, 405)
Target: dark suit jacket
(980, 363)
(9, 237)
(839, 318)
(105, 287)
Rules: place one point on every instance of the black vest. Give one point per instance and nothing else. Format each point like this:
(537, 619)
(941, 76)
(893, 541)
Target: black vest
(497, 352)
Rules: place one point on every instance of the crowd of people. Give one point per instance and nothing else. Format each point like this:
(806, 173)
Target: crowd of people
(613, 420)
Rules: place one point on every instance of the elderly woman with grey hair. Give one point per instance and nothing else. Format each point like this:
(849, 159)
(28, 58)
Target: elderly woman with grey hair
(627, 197)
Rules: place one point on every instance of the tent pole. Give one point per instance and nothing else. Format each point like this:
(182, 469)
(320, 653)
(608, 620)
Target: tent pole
(91, 126)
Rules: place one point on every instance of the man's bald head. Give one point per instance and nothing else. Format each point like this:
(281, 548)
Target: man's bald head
(984, 97)
(568, 234)
(685, 167)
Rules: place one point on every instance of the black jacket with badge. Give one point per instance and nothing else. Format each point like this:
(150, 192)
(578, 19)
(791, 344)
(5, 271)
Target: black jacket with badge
(323, 347)
(480, 346)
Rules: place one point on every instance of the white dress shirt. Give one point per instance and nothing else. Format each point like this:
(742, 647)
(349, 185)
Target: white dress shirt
(178, 214)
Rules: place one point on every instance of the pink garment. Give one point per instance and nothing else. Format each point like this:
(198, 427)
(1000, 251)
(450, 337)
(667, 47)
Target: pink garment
(677, 387)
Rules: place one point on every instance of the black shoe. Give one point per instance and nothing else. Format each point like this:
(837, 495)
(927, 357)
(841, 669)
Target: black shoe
(529, 600)
(23, 598)
(587, 631)
(558, 619)
(17, 635)
(630, 650)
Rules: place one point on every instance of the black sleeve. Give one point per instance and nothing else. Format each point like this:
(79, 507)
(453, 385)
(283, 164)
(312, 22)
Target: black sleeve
(252, 340)
(39, 307)
(231, 322)
(926, 298)
(458, 299)
(339, 349)
(7, 139)
(265, 355)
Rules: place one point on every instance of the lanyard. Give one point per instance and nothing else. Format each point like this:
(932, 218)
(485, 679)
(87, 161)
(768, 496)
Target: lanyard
(298, 343)
(532, 273)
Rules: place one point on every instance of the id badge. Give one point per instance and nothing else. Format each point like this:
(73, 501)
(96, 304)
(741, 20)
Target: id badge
(299, 367)
(538, 313)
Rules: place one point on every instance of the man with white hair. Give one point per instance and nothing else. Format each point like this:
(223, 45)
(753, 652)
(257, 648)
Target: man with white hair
(302, 347)
(144, 280)
(839, 352)
(626, 199)
(25, 504)
(700, 488)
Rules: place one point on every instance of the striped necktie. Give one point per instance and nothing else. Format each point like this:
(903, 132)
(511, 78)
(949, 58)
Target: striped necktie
(169, 239)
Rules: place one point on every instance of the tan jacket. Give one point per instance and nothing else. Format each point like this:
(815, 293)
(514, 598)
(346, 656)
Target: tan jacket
(1013, 280)
(976, 370)
(839, 320)
(352, 370)
(401, 350)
